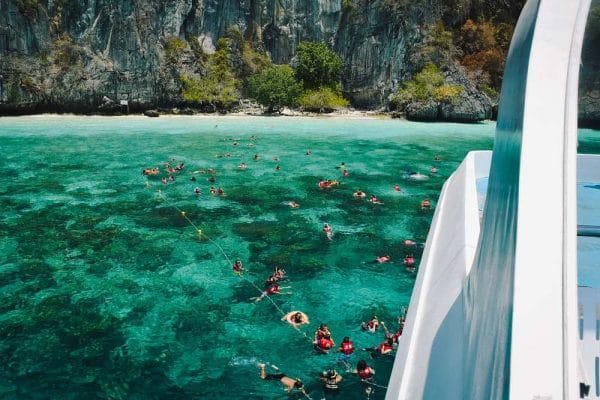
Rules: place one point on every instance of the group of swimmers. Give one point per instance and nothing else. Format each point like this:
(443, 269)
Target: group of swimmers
(323, 341)
(272, 285)
(323, 344)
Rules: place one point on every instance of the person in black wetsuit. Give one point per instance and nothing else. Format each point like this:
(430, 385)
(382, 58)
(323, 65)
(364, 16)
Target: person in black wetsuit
(289, 383)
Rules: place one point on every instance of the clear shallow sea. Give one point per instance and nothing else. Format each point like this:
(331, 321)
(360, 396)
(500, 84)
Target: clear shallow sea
(107, 293)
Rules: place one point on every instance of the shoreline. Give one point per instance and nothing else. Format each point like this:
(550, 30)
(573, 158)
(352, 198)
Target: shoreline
(345, 114)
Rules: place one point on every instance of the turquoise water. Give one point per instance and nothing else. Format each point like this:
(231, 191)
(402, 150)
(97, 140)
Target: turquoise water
(108, 293)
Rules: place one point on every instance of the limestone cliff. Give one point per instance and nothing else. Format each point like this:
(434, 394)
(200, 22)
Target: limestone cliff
(87, 55)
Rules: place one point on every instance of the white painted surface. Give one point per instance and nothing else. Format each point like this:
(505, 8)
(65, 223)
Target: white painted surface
(543, 310)
(430, 350)
(543, 361)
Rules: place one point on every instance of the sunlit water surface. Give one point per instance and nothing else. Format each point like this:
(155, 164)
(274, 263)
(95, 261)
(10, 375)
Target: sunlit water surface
(108, 293)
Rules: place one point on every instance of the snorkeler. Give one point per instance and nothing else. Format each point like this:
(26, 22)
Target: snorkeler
(296, 318)
(331, 380)
(289, 383)
(197, 191)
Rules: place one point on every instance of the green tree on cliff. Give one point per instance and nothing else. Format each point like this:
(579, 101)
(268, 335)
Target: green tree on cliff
(428, 85)
(219, 85)
(317, 66)
(275, 87)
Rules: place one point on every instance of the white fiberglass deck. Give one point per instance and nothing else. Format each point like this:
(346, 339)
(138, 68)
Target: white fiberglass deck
(459, 209)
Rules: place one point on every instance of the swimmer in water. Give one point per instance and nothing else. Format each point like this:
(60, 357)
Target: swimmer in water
(271, 290)
(383, 259)
(346, 348)
(242, 166)
(293, 204)
(328, 231)
(197, 191)
(386, 347)
(289, 383)
(409, 261)
(331, 380)
(237, 266)
(425, 204)
(359, 194)
(324, 343)
(296, 318)
(370, 326)
(365, 373)
(374, 200)
(396, 187)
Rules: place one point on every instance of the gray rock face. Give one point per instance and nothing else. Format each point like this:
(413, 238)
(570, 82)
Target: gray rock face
(59, 55)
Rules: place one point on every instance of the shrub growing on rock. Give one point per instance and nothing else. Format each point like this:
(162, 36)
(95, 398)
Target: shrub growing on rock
(323, 99)
(275, 87)
(427, 85)
(317, 66)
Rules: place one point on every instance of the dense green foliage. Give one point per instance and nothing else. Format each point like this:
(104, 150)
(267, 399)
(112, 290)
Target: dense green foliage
(275, 87)
(219, 85)
(427, 85)
(324, 99)
(174, 48)
(317, 66)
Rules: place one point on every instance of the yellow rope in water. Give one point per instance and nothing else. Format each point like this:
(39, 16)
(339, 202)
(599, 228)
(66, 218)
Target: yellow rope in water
(203, 235)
